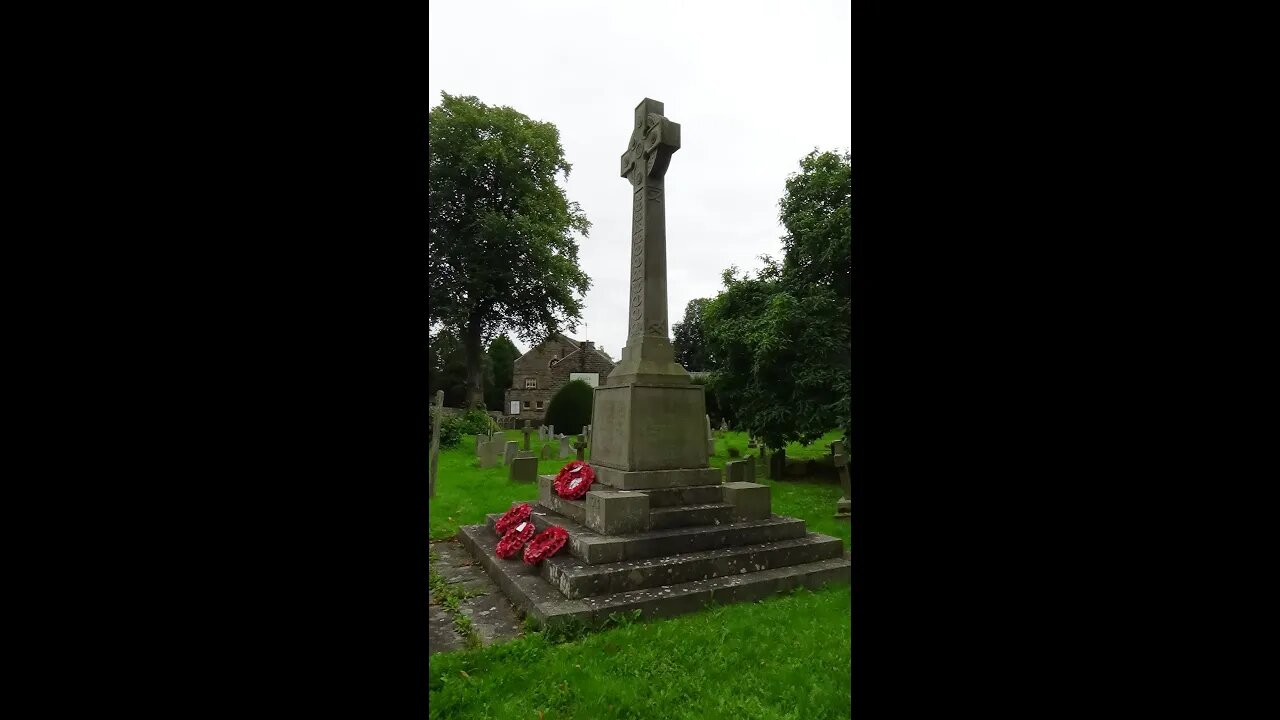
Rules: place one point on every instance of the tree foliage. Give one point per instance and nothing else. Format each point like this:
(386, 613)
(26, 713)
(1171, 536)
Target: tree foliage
(501, 247)
(688, 338)
(570, 408)
(502, 355)
(781, 338)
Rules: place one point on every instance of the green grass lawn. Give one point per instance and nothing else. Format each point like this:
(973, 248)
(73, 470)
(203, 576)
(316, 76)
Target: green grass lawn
(784, 657)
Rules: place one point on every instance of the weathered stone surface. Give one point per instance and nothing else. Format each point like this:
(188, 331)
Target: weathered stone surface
(488, 453)
(523, 469)
(840, 459)
(547, 452)
(441, 634)
(451, 555)
(649, 427)
(564, 446)
(509, 454)
(492, 617)
(689, 515)
(531, 593)
(575, 579)
(593, 548)
(654, 479)
(685, 495)
(617, 512)
(750, 501)
(735, 471)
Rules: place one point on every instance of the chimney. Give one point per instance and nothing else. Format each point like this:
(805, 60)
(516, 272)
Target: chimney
(586, 348)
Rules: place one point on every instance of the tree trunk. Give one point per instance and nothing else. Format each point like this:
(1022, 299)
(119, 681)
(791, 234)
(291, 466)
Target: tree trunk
(471, 343)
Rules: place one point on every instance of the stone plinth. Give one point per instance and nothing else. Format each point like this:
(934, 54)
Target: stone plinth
(649, 427)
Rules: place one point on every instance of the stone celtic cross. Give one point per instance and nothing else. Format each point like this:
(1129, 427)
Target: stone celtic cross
(526, 430)
(653, 140)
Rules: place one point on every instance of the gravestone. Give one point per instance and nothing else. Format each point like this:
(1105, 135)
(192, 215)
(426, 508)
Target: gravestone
(547, 452)
(735, 471)
(510, 453)
(581, 446)
(749, 466)
(488, 453)
(551, 431)
(724, 425)
(711, 441)
(479, 438)
(526, 432)
(841, 459)
(564, 446)
(542, 433)
(435, 442)
(778, 464)
(587, 431)
(523, 469)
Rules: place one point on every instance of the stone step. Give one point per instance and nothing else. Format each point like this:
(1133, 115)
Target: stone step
(690, 495)
(526, 589)
(716, 513)
(596, 549)
(576, 579)
(575, 510)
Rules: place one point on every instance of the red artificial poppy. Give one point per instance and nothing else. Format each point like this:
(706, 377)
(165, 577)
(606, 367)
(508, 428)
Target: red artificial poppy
(511, 518)
(547, 543)
(574, 480)
(515, 539)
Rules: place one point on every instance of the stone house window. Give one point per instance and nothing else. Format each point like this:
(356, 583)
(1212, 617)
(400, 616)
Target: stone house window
(526, 404)
(530, 383)
(539, 404)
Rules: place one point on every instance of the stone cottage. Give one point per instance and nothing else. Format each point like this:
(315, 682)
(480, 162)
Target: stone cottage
(546, 368)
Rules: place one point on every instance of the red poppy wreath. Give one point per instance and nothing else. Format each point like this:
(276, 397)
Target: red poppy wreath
(547, 543)
(574, 480)
(512, 518)
(515, 539)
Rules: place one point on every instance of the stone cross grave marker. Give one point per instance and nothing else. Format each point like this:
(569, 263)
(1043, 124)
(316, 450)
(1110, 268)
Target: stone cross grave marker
(564, 446)
(527, 430)
(510, 453)
(581, 446)
(435, 441)
(841, 460)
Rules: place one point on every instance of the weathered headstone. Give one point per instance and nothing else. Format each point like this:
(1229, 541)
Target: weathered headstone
(435, 442)
(479, 438)
(488, 453)
(711, 441)
(581, 446)
(547, 452)
(510, 453)
(735, 471)
(542, 433)
(749, 466)
(523, 469)
(551, 431)
(724, 425)
(564, 446)
(778, 464)
(841, 460)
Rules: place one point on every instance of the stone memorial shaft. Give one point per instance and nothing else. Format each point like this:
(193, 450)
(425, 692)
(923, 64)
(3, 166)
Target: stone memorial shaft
(646, 430)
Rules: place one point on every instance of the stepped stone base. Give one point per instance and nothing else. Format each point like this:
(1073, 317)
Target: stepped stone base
(529, 592)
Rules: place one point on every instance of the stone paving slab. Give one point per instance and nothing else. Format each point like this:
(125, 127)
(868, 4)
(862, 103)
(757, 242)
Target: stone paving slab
(441, 635)
(492, 617)
(452, 554)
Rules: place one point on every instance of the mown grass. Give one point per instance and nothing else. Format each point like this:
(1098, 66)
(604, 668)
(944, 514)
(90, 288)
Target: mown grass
(785, 657)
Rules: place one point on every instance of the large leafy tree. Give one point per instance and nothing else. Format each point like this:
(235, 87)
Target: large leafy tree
(781, 338)
(502, 253)
(502, 354)
(448, 368)
(688, 337)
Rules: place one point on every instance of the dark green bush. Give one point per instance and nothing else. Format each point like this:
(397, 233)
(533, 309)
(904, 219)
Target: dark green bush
(570, 409)
(452, 428)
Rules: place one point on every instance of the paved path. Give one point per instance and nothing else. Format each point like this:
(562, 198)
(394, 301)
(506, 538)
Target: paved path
(492, 616)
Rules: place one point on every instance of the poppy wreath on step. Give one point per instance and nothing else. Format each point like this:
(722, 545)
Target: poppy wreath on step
(547, 543)
(574, 480)
(511, 518)
(515, 539)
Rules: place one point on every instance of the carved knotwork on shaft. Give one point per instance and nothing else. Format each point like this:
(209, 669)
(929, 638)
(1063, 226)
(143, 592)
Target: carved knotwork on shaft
(653, 140)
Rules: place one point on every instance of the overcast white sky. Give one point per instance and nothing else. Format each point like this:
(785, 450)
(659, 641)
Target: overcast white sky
(753, 85)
